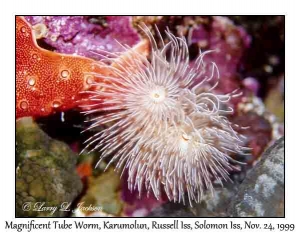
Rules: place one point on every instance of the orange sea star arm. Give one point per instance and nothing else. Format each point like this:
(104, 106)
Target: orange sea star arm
(47, 81)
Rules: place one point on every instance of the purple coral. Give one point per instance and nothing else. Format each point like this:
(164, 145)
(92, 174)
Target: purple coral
(251, 84)
(80, 35)
(229, 43)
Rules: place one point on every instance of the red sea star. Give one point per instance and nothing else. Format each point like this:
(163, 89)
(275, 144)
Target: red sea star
(47, 81)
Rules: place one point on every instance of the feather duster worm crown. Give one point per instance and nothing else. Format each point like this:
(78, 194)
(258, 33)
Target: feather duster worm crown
(166, 126)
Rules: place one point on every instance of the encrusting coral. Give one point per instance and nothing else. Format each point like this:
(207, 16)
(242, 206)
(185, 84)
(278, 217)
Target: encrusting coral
(168, 128)
(82, 34)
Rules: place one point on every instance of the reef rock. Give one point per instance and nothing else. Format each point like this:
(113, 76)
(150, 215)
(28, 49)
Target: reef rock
(262, 192)
(102, 197)
(46, 178)
(215, 204)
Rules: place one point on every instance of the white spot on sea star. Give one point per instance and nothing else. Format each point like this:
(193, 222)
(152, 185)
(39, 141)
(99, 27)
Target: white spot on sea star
(23, 29)
(65, 74)
(24, 105)
(31, 81)
(56, 104)
(34, 56)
